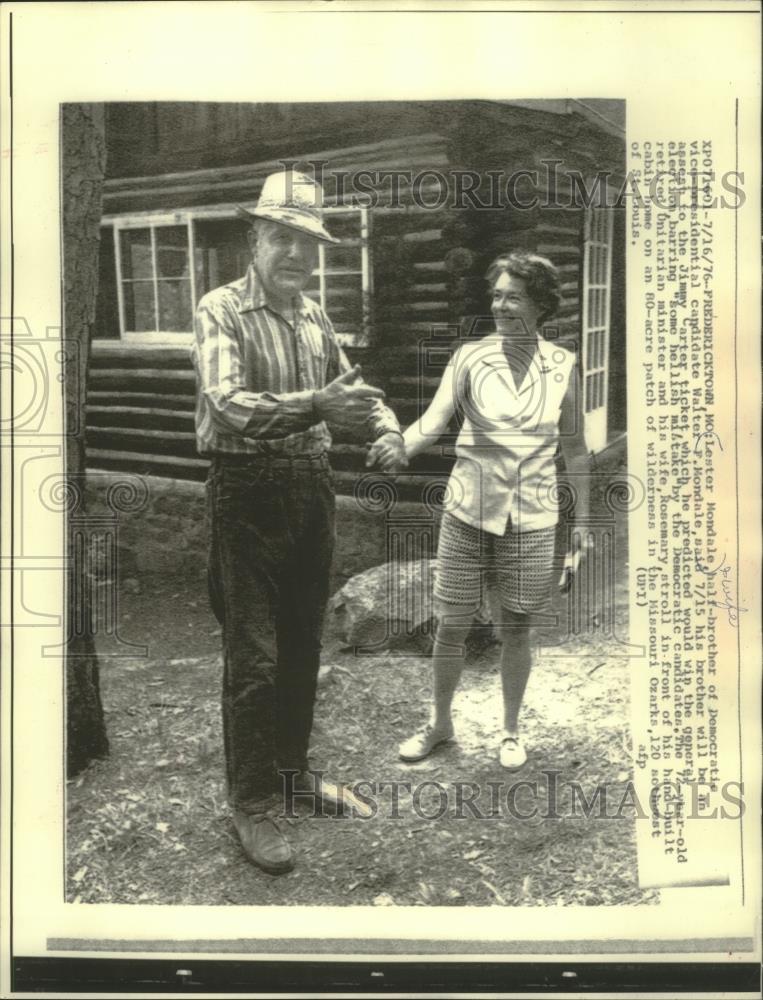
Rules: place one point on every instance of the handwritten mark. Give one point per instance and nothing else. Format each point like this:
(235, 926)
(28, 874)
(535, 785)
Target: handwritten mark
(732, 610)
(707, 434)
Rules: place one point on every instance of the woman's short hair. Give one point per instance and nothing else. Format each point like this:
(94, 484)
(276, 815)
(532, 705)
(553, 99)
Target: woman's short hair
(539, 275)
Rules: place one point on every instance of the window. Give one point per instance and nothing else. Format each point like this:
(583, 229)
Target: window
(157, 289)
(597, 281)
(342, 280)
(154, 280)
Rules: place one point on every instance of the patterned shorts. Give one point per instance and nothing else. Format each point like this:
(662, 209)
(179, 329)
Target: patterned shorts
(520, 562)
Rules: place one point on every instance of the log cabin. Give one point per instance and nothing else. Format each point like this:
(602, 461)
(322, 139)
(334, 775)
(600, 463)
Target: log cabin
(422, 194)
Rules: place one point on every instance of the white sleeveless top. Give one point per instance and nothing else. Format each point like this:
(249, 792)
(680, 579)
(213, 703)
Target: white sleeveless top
(505, 451)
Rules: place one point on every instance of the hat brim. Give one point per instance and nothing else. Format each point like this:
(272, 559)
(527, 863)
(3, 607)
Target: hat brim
(302, 224)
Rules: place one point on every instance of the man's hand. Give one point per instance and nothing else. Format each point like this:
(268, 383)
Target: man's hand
(346, 402)
(388, 452)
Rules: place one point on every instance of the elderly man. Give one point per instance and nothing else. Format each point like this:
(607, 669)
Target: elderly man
(271, 381)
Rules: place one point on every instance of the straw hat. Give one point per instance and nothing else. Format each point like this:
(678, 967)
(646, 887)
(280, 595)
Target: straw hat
(294, 200)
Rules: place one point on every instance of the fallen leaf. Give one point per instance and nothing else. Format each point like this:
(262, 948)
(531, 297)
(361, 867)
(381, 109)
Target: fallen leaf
(495, 892)
(426, 891)
(79, 874)
(384, 899)
(472, 855)
(162, 827)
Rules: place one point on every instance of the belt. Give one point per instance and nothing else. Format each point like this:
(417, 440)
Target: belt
(272, 462)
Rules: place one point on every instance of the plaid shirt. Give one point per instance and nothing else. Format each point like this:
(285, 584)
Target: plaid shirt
(256, 374)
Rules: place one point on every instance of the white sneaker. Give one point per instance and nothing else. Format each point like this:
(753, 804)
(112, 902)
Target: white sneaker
(512, 753)
(421, 744)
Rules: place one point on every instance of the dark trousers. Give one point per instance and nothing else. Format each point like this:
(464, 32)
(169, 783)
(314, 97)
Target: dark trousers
(271, 544)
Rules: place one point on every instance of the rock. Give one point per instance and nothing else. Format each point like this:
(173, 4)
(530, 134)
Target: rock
(391, 606)
(386, 606)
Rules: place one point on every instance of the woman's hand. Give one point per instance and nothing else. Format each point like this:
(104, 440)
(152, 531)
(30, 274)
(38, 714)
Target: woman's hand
(388, 453)
(580, 547)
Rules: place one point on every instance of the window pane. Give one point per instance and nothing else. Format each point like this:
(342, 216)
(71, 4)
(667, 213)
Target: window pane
(136, 253)
(344, 302)
(343, 225)
(175, 307)
(172, 251)
(340, 258)
(221, 252)
(139, 306)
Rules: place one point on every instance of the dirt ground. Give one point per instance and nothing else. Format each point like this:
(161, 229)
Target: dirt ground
(150, 823)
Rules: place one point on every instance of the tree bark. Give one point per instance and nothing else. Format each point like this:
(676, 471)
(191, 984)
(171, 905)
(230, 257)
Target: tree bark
(83, 166)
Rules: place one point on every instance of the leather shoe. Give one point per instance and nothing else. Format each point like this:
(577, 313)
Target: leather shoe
(263, 842)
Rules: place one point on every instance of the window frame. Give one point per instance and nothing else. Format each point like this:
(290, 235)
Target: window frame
(153, 220)
(598, 235)
(156, 221)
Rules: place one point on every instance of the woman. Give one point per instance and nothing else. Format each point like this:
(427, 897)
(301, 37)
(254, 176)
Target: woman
(520, 399)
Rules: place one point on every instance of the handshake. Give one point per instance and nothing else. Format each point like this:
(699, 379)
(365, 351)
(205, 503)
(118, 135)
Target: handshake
(346, 404)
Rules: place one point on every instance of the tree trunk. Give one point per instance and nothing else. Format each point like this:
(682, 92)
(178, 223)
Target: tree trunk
(83, 165)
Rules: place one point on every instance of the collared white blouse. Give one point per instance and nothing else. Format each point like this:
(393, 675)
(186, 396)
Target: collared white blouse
(505, 452)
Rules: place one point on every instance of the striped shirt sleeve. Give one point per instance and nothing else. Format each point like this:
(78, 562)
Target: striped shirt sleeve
(233, 407)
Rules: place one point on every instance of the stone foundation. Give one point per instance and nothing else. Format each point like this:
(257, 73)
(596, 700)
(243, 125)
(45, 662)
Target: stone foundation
(161, 525)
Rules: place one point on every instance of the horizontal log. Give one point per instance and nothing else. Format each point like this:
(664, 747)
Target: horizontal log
(568, 250)
(428, 306)
(557, 230)
(154, 380)
(186, 403)
(422, 236)
(138, 417)
(135, 355)
(415, 381)
(162, 442)
(172, 466)
(388, 154)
